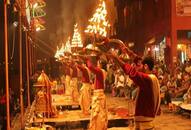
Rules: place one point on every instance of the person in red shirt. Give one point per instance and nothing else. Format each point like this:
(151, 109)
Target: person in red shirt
(3, 110)
(3, 99)
(98, 119)
(85, 91)
(148, 100)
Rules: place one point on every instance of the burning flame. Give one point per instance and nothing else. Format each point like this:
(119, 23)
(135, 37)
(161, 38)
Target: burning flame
(98, 23)
(76, 39)
(67, 46)
(60, 52)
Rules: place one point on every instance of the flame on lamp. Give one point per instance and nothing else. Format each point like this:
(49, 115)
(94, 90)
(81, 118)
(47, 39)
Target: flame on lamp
(98, 23)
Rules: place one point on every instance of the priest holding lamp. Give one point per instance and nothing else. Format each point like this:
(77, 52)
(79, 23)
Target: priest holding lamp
(67, 78)
(148, 100)
(99, 118)
(74, 82)
(85, 91)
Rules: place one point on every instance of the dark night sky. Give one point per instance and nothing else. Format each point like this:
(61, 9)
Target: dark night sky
(61, 15)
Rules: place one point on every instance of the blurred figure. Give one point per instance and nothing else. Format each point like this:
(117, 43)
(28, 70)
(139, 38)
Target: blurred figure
(119, 83)
(85, 91)
(148, 100)
(99, 118)
(74, 82)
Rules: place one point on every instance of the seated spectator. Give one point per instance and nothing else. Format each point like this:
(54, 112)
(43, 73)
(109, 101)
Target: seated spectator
(119, 84)
(110, 78)
(134, 92)
(128, 87)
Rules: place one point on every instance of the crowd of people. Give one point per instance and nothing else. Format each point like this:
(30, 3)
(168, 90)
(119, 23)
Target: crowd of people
(126, 80)
(122, 79)
(129, 79)
(175, 84)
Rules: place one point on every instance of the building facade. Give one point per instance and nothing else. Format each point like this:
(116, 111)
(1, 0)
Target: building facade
(148, 23)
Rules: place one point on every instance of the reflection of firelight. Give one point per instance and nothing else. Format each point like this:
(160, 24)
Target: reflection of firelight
(156, 49)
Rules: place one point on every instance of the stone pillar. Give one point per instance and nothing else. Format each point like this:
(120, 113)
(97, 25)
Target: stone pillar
(173, 34)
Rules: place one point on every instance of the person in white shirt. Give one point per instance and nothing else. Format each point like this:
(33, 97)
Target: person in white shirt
(120, 83)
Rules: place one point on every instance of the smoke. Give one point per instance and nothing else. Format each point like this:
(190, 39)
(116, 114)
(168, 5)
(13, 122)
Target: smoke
(75, 11)
(66, 18)
(63, 14)
(84, 10)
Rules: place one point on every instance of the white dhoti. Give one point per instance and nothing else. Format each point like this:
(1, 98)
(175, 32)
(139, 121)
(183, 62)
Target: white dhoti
(74, 89)
(85, 98)
(99, 119)
(144, 123)
(67, 85)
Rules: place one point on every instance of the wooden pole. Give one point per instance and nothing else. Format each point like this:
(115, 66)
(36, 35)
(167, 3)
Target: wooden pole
(6, 65)
(21, 70)
(35, 56)
(27, 69)
(30, 57)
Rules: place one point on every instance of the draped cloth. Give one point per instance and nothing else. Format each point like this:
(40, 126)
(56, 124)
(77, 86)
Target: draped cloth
(99, 118)
(74, 89)
(67, 85)
(147, 123)
(85, 98)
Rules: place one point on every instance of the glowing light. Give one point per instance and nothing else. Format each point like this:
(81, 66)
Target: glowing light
(179, 46)
(35, 5)
(60, 53)
(38, 29)
(182, 57)
(67, 46)
(156, 49)
(15, 24)
(57, 53)
(131, 44)
(98, 23)
(76, 39)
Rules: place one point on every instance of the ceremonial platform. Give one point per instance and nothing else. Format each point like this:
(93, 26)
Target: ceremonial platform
(63, 100)
(77, 115)
(67, 117)
(65, 113)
